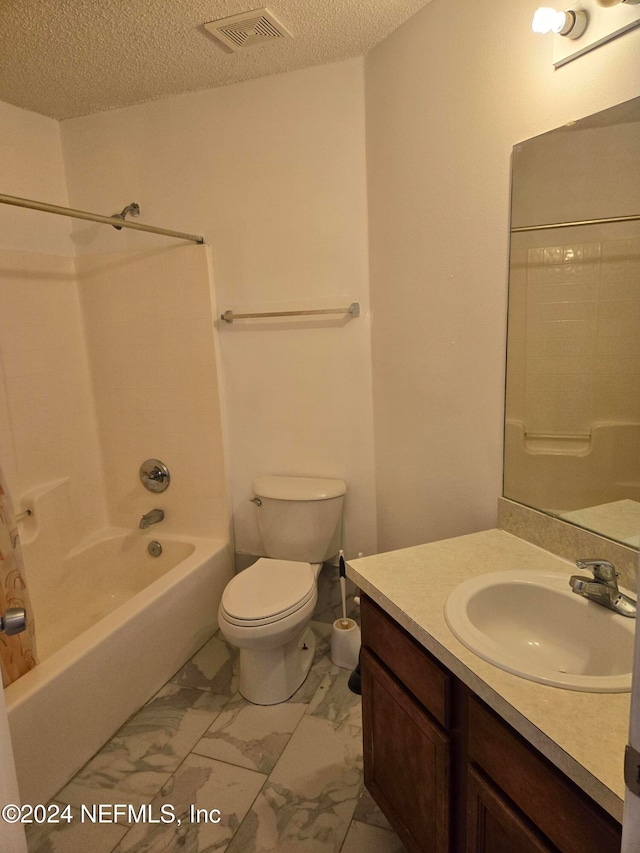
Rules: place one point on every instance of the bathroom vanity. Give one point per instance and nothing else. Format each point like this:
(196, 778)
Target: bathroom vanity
(461, 755)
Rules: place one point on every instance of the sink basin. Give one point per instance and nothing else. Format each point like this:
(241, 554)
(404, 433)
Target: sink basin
(531, 624)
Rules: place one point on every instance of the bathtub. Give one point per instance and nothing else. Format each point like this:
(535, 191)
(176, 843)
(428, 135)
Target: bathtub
(113, 624)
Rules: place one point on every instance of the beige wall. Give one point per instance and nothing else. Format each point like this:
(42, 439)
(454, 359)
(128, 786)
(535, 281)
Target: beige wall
(31, 166)
(273, 173)
(447, 97)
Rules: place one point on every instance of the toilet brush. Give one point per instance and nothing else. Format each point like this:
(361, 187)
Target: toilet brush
(345, 640)
(343, 591)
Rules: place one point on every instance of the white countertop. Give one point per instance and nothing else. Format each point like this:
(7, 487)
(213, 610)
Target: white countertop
(583, 734)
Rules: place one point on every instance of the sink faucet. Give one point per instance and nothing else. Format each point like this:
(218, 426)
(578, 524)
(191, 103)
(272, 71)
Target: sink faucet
(149, 518)
(603, 589)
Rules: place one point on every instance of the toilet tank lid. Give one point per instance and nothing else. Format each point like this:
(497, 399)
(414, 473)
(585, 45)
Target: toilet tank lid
(298, 488)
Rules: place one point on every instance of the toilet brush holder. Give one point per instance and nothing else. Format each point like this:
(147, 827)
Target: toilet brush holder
(345, 643)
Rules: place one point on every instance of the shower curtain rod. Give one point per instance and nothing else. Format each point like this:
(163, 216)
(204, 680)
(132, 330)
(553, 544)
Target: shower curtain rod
(96, 217)
(609, 219)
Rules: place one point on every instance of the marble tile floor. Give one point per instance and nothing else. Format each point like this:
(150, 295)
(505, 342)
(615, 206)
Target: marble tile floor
(285, 778)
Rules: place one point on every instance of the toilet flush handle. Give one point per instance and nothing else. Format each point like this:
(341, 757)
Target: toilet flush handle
(256, 501)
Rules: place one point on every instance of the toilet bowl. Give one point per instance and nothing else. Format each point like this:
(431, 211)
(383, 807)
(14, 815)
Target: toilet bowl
(265, 610)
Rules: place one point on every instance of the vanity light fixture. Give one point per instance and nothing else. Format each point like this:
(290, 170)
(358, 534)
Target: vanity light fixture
(571, 23)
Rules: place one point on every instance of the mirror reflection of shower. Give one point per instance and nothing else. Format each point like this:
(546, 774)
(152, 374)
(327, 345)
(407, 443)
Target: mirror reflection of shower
(572, 432)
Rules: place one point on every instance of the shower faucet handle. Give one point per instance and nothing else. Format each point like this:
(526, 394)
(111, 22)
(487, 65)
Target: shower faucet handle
(154, 475)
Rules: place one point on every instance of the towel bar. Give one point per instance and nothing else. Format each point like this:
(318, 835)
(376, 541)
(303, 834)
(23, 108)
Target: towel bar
(353, 309)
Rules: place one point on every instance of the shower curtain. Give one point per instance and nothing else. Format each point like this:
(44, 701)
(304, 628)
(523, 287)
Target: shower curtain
(17, 652)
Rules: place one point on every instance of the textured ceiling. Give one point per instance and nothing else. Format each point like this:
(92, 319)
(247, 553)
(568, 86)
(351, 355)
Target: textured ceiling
(65, 58)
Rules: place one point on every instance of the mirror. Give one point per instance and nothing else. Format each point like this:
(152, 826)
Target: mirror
(572, 414)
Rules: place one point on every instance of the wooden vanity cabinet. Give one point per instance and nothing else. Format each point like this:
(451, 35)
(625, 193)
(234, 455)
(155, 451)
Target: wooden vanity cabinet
(450, 774)
(407, 751)
(492, 824)
(406, 760)
(544, 797)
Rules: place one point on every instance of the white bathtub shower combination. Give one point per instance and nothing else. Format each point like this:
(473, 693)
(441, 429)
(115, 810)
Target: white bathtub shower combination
(113, 625)
(107, 359)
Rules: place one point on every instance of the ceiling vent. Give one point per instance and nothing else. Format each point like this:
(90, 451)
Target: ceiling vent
(240, 32)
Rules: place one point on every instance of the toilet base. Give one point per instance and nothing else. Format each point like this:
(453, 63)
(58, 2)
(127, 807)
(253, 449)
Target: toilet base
(271, 676)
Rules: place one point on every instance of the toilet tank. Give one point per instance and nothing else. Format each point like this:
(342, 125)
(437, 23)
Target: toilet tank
(300, 518)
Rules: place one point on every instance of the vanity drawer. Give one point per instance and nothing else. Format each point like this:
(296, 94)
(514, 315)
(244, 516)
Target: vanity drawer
(411, 664)
(567, 817)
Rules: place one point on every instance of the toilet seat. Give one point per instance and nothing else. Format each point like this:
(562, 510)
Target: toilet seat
(268, 591)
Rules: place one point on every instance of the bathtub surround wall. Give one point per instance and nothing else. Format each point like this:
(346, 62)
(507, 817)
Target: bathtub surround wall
(126, 344)
(50, 459)
(149, 320)
(124, 340)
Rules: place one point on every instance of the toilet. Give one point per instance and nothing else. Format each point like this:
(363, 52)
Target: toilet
(266, 609)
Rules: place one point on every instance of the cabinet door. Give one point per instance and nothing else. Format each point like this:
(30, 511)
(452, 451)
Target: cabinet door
(406, 761)
(492, 824)
(421, 675)
(570, 820)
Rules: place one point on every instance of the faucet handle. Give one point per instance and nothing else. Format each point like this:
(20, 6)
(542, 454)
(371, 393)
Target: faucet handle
(154, 475)
(603, 570)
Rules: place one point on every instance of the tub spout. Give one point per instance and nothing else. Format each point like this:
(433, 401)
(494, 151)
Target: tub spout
(149, 518)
